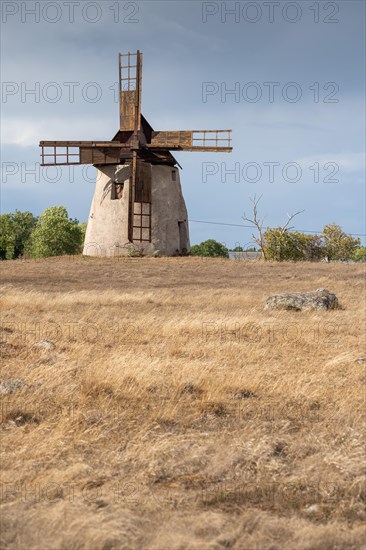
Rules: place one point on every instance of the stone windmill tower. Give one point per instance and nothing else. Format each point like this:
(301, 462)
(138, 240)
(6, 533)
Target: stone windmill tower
(138, 200)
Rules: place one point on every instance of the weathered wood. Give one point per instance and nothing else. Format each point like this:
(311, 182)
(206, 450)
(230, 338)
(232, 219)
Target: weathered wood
(98, 156)
(130, 80)
(192, 140)
(131, 196)
(79, 144)
(193, 148)
(143, 182)
(135, 133)
(171, 139)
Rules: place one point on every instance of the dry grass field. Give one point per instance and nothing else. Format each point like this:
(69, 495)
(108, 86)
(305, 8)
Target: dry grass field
(174, 412)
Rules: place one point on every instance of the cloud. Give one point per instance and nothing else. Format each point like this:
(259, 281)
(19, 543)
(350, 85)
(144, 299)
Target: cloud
(25, 132)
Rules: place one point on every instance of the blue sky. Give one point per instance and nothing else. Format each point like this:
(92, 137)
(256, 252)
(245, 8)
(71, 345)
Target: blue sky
(297, 75)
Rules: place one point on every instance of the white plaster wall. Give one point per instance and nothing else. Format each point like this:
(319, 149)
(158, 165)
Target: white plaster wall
(168, 207)
(107, 229)
(106, 232)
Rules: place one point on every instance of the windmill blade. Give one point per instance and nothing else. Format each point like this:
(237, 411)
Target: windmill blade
(55, 153)
(130, 80)
(192, 140)
(131, 196)
(139, 201)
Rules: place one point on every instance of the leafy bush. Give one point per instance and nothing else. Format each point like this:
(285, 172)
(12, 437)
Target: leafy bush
(333, 243)
(55, 234)
(360, 254)
(338, 245)
(210, 248)
(312, 247)
(282, 245)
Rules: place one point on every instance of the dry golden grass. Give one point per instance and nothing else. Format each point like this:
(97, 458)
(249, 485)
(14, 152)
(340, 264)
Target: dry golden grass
(175, 413)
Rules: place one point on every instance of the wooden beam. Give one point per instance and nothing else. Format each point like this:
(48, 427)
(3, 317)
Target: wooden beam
(81, 144)
(192, 148)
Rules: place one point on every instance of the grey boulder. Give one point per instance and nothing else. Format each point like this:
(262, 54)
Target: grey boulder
(318, 299)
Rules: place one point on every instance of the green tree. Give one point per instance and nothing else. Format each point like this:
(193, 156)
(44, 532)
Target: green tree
(23, 223)
(338, 245)
(7, 237)
(83, 226)
(55, 234)
(15, 230)
(210, 248)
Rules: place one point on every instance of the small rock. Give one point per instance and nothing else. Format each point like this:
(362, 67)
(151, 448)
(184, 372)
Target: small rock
(46, 345)
(320, 299)
(10, 386)
(360, 360)
(311, 508)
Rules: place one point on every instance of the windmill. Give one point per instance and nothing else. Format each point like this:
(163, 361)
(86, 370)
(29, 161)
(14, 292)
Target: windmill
(138, 200)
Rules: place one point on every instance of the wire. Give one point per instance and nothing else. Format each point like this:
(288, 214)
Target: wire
(251, 226)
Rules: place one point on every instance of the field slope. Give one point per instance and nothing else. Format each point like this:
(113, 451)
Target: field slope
(171, 411)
